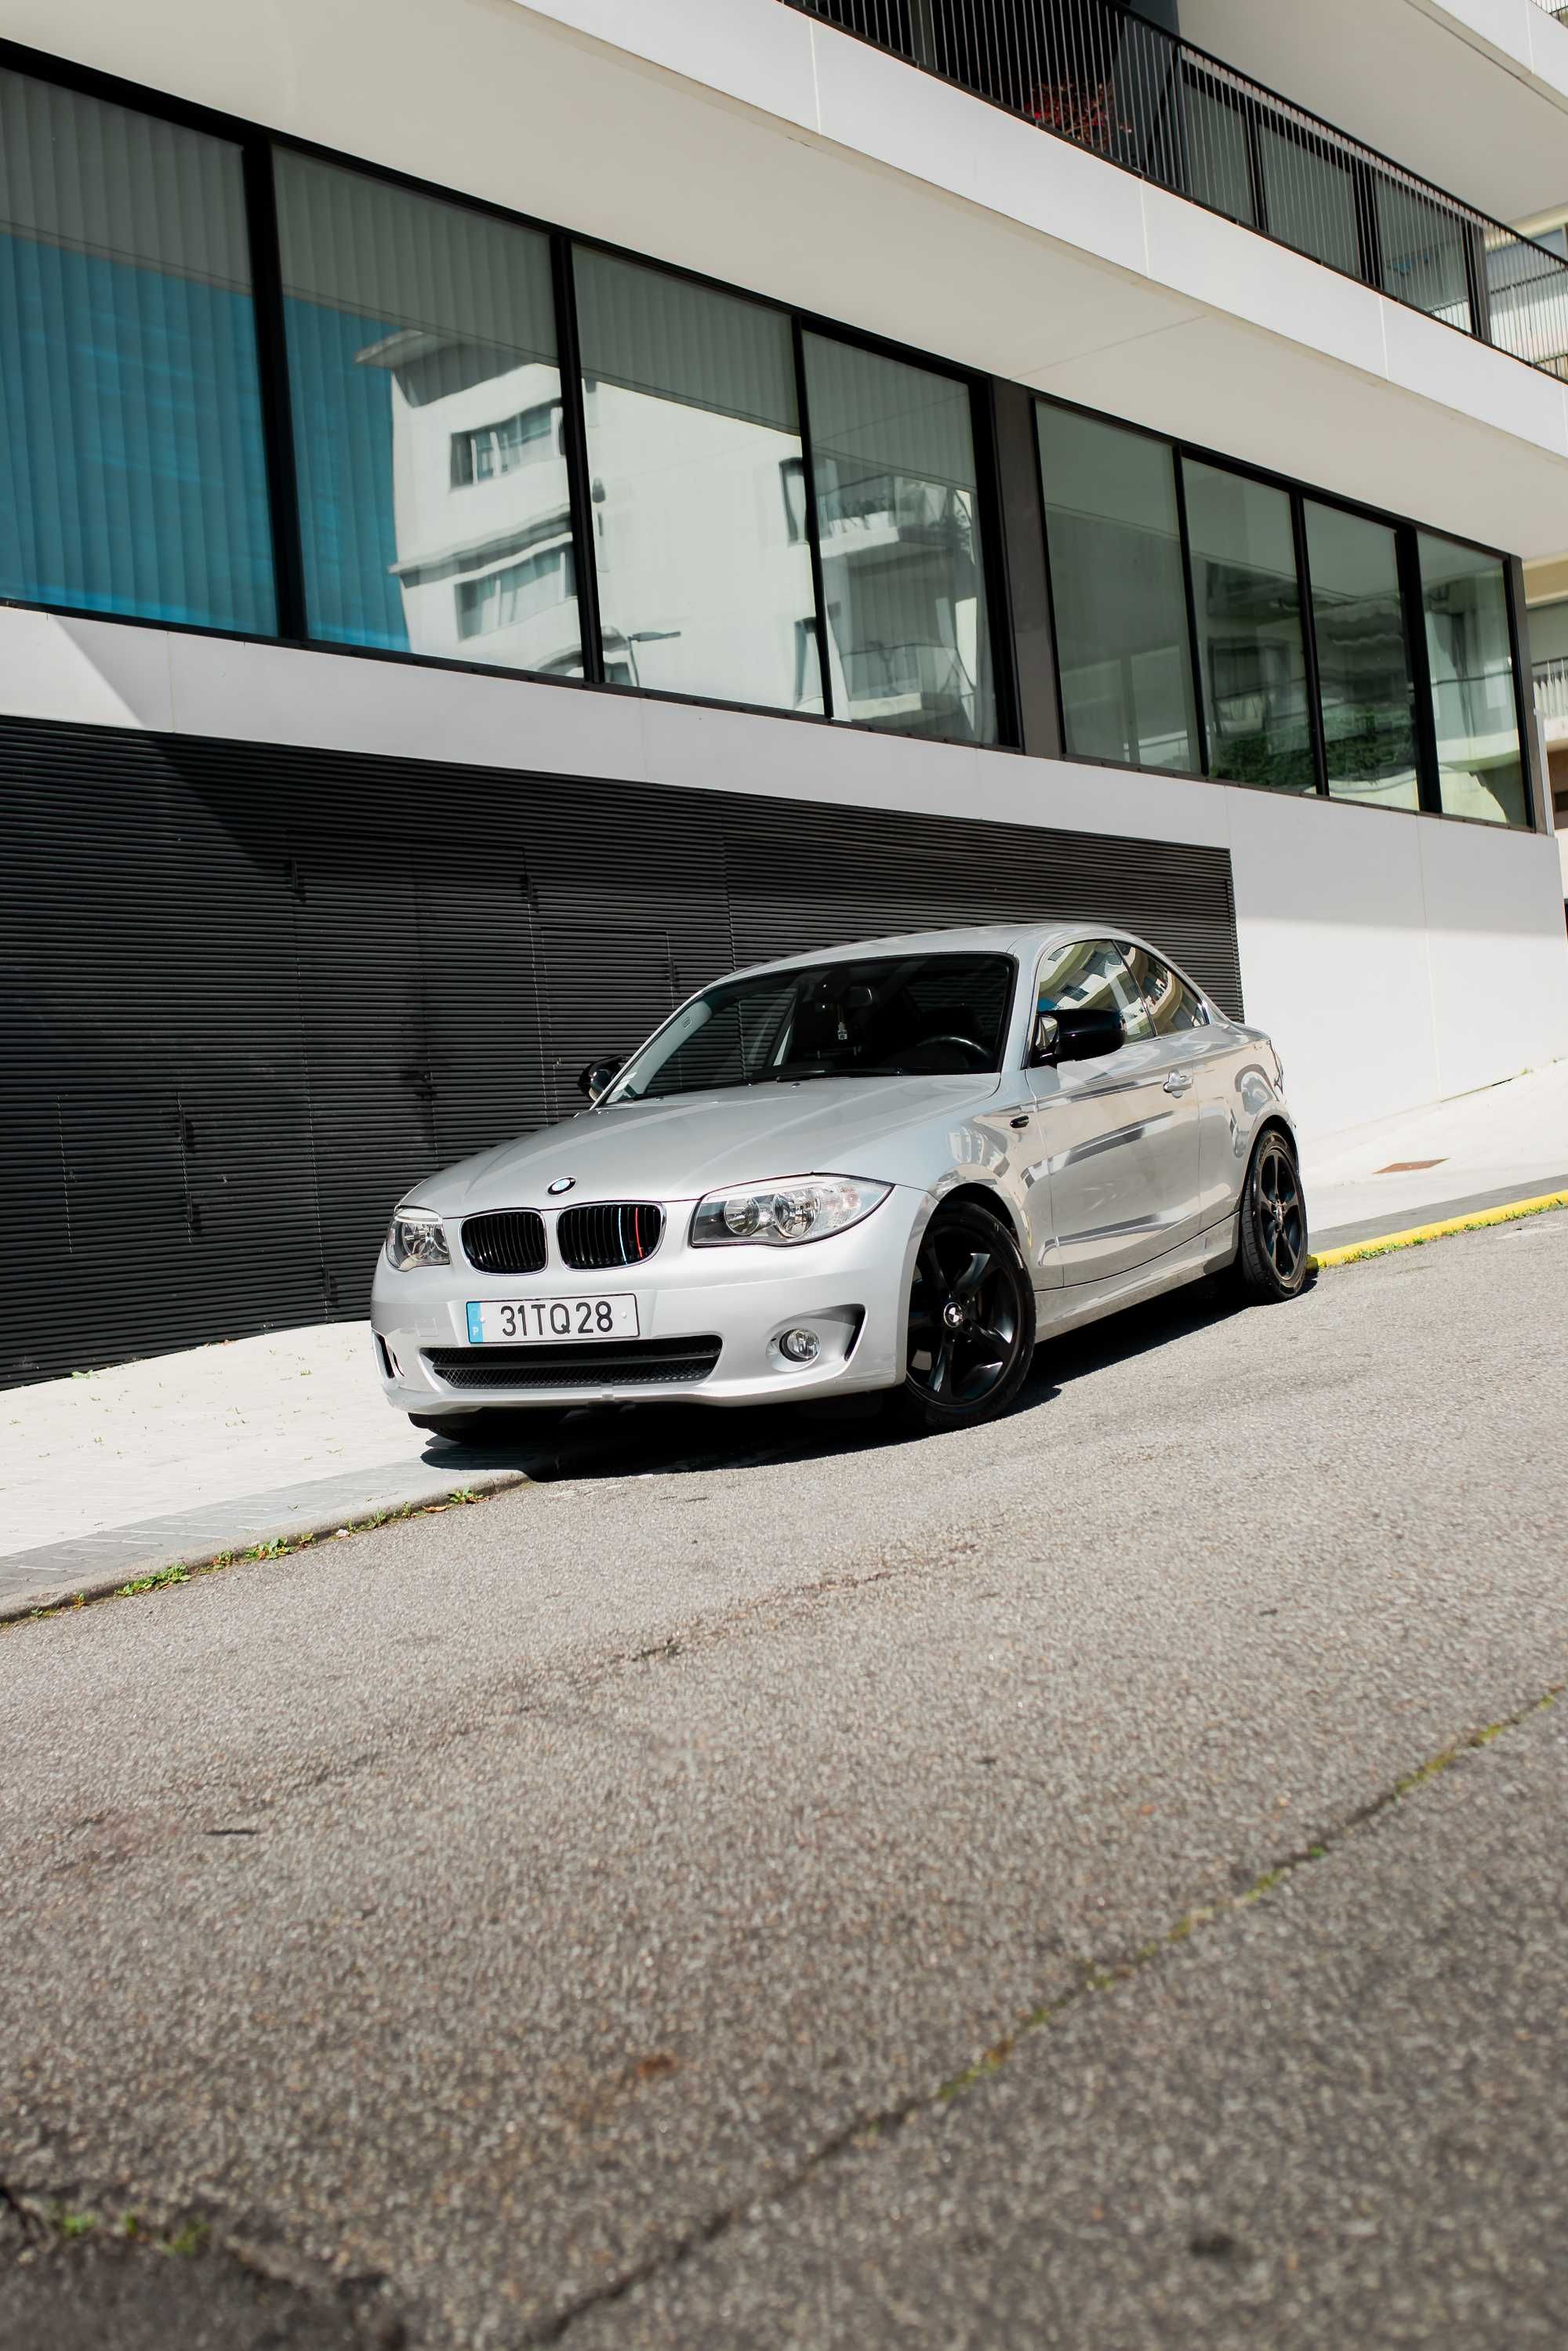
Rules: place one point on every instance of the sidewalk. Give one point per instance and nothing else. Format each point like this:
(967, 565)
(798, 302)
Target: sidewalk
(114, 1474)
(1476, 1151)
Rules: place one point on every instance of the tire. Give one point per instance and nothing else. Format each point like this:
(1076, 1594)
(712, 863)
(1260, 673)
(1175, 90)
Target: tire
(971, 1321)
(1272, 1251)
(494, 1425)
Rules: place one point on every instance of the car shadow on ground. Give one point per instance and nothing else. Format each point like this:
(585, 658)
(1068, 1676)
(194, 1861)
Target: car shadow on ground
(675, 1439)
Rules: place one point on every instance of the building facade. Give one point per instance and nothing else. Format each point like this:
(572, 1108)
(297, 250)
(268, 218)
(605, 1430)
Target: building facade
(509, 512)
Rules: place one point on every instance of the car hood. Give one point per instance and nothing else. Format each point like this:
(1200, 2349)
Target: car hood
(692, 1144)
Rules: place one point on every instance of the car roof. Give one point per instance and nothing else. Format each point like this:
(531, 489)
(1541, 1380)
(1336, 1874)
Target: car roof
(1021, 939)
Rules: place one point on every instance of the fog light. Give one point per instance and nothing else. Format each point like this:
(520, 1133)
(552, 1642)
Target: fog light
(800, 1346)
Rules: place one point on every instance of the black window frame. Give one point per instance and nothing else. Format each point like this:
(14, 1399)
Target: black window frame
(258, 144)
(1406, 530)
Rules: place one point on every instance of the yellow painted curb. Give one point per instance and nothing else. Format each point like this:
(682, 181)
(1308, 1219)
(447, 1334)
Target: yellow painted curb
(1510, 1213)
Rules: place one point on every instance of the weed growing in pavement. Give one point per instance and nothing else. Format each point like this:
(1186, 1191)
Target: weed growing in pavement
(1097, 1977)
(277, 1547)
(157, 1582)
(71, 2224)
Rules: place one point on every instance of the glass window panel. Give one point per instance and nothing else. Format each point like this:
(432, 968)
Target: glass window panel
(1309, 199)
(426, 403)
(1470, 652)
(694, 445)
(1092, 975)
(1365, 682)
(1122, 651)
(1250, 655)
(132, 474)
(1423, 252)
(898, 513)
(1217, 171)
(1172, 1005)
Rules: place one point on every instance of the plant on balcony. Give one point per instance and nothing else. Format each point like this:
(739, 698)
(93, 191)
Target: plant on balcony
(1084, 112)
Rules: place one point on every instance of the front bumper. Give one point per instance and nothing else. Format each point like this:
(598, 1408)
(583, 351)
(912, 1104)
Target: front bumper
(851, 1288)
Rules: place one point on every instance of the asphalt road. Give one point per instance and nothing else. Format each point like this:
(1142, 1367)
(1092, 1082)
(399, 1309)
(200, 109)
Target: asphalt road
(838, 1891)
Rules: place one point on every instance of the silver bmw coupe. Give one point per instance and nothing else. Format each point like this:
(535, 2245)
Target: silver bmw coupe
(894, 1166)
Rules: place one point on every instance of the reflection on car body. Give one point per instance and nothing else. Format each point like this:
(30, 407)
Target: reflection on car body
(896, 1166)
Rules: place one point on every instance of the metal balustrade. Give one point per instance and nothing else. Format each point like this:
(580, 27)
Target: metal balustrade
(1558, 8)
(1552, 690)
(1088, 71)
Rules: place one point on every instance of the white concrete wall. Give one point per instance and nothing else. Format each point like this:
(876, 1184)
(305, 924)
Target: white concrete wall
(742, 139)
(1397, 958)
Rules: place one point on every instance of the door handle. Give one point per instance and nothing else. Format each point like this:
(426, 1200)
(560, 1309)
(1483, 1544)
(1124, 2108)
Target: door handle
(1178, 1082)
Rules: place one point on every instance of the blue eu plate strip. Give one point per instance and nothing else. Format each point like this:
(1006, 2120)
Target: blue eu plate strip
(475, 1325)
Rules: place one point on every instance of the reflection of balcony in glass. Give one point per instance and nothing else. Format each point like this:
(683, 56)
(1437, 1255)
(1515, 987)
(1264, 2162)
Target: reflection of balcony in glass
(901, 585)
(704, 583)
(481, 521)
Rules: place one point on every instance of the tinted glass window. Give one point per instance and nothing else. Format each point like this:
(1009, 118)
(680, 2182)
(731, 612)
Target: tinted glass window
(1117, 592)
(1090, 973)
(1364, 680)
(1470, 652)
(1251, 655)
(134, 478)
(693, 444)
(898, 511)
(886, 1016)
(1172, 1003)
(426, 405)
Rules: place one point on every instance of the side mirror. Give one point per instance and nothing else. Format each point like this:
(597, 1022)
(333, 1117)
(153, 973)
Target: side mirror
(1086, 1033)
(598, 1078)
(1044, 1041)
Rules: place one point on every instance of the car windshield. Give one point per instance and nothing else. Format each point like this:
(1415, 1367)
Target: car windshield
(877, 1016)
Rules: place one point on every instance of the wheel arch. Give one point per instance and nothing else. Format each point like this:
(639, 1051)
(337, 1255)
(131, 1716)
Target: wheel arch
(994, 1202)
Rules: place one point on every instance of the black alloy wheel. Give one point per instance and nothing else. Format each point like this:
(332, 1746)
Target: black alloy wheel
(1271, 1257)
(971, 1320)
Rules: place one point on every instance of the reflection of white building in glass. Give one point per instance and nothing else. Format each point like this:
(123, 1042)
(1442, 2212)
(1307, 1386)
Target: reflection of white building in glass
(481, 513)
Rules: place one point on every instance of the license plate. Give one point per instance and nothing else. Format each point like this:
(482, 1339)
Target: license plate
(524, 1321)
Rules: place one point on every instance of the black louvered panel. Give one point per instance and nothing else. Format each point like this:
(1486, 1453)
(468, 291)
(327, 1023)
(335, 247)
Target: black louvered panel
(252, 1002)
(507, 1240)
(589, 1363)
(628, 890)
(623, 1233)
(818, 876)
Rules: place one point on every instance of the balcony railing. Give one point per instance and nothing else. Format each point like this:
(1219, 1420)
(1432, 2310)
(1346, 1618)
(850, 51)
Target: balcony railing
(1552, 690)
(1558, 8)
(1088, 71)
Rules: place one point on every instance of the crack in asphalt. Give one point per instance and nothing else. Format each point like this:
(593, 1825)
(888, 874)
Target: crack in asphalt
(1098, 1976)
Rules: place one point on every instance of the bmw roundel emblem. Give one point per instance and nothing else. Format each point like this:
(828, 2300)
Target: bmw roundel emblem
(561, 1184)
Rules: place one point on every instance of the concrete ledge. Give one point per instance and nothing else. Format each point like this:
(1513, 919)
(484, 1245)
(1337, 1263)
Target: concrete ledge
(95, 1566)
(1508, 1214)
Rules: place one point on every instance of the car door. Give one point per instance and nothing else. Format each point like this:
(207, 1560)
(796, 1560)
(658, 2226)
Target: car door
(1204, 1052)
(1117, 1137)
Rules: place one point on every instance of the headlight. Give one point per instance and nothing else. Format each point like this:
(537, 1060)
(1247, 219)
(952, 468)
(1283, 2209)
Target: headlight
(800, 1208)
(416, 1238)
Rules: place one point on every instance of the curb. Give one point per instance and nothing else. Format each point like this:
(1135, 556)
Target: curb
(1508, 1214)
(151, 1573)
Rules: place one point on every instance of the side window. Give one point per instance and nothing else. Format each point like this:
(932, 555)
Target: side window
(1172, 1003)
(1092, 972)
